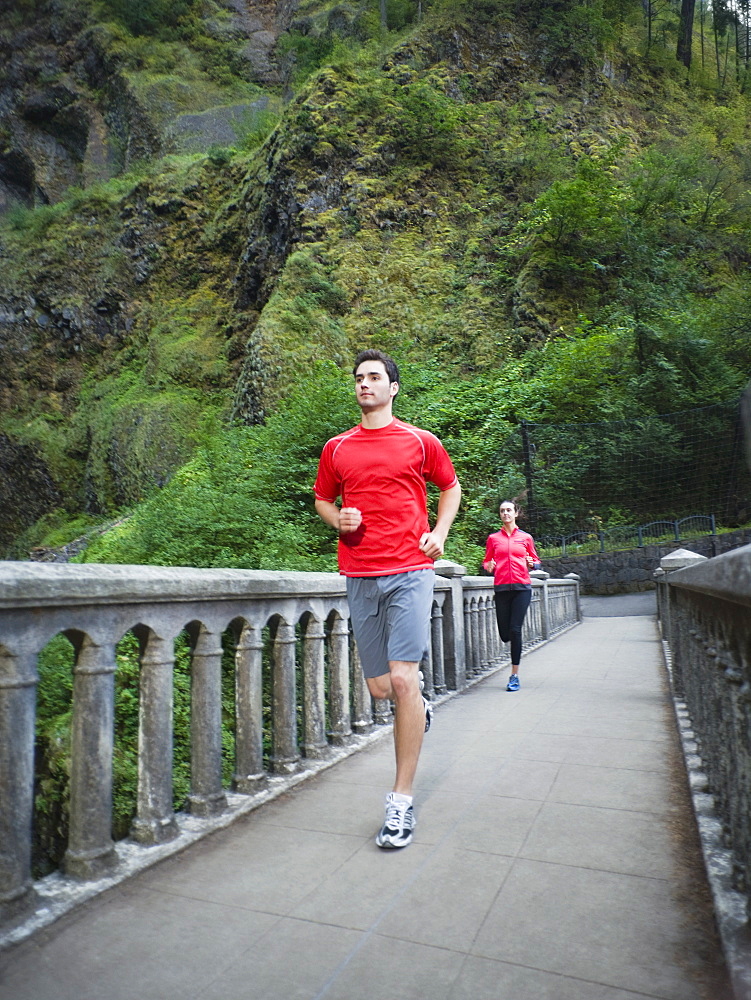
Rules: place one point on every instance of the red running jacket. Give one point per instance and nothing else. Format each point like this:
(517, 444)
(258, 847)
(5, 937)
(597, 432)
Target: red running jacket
(509, 552)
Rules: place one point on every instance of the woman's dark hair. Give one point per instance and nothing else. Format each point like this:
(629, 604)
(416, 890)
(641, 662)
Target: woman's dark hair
(516, 501)
(373, 355)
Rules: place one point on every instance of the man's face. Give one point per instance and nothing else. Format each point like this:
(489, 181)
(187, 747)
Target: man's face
(372, 386)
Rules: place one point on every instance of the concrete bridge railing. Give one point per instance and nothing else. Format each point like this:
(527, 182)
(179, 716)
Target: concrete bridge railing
(704, 607)
(292, 643)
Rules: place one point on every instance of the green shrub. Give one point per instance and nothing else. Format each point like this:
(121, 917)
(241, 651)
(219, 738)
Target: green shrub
(150, 17)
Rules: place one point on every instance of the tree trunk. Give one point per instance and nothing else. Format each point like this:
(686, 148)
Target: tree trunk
(716, 45)
(384, 19)
(685, 32)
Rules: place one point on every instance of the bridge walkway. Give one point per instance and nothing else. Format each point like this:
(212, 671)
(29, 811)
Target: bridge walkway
(555, 858)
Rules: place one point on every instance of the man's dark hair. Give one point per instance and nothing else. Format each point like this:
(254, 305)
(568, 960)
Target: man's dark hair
(373, 355)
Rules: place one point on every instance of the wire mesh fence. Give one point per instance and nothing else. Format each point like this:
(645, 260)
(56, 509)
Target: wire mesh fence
(579, 477)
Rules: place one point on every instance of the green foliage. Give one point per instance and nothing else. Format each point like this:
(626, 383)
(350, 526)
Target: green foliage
(52, 756)
(245, 499)
(150, 17)
(309, 52)
(257, 129)
(579, 31)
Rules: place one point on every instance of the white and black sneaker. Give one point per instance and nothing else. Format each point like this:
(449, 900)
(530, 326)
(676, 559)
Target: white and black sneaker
(399, 823)
(428, 714)
(426, 703)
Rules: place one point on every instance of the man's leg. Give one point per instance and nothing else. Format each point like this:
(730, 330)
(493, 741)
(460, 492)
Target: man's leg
(401, 685)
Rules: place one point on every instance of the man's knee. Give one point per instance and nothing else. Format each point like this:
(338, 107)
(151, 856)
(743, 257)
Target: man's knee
(403, 677)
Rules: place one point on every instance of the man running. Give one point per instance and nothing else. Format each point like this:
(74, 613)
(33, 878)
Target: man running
(386, 550)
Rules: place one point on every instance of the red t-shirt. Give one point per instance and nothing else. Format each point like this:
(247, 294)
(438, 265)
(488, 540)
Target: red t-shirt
(383, 473)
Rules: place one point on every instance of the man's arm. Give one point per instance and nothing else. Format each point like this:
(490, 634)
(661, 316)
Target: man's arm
(432, 542)
(343, 520)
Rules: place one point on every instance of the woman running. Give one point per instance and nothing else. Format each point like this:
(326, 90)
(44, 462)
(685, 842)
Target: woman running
(509, 556)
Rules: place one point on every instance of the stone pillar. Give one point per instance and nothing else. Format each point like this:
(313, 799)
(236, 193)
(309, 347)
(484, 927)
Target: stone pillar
(540, 574)
(482, 635)
(454, 653)
(469, 653)
(249, 774)
(18, 678)
(91, 851)
(315, 745)
(474, 627)
(436, 643)
(675, 560)
(661, 599)
(285, 756)
(577, 579)
(155, 819)
(339, 714)
(363, 703)
(494, 640)
(207, 796)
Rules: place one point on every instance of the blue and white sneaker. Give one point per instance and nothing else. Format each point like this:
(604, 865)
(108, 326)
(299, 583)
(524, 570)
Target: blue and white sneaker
(398, 826)
(513, 683)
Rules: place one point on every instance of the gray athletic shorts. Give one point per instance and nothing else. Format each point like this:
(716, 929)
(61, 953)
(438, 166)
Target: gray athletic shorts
(390, 617)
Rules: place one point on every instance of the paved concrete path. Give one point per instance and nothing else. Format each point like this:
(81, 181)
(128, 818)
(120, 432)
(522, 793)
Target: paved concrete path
(555, 858)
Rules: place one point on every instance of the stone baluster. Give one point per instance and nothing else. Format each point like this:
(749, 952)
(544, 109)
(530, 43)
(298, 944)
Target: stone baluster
(543, 597)
(475, 629)
(207, 796)
(454, 633)
(494, 651)
(18, 678)
(383, 712)
(498, 649)
(91, 851)
(249, 774)
(285, 755)
(427, 667)
(340, 729)
(482, 635)
(155, 819)
(469, 652)
(315, 745)
(436, 644)
(363, 703)
(490, 629)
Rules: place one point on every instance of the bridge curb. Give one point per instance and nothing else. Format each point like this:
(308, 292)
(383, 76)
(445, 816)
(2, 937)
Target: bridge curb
(729, 904)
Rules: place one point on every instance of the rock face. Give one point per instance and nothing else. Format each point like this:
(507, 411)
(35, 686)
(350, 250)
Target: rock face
(27, 490)
(261, 22)
(70, 115)
(66, 117)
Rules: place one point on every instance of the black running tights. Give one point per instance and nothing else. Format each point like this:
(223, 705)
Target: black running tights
(510, 609)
